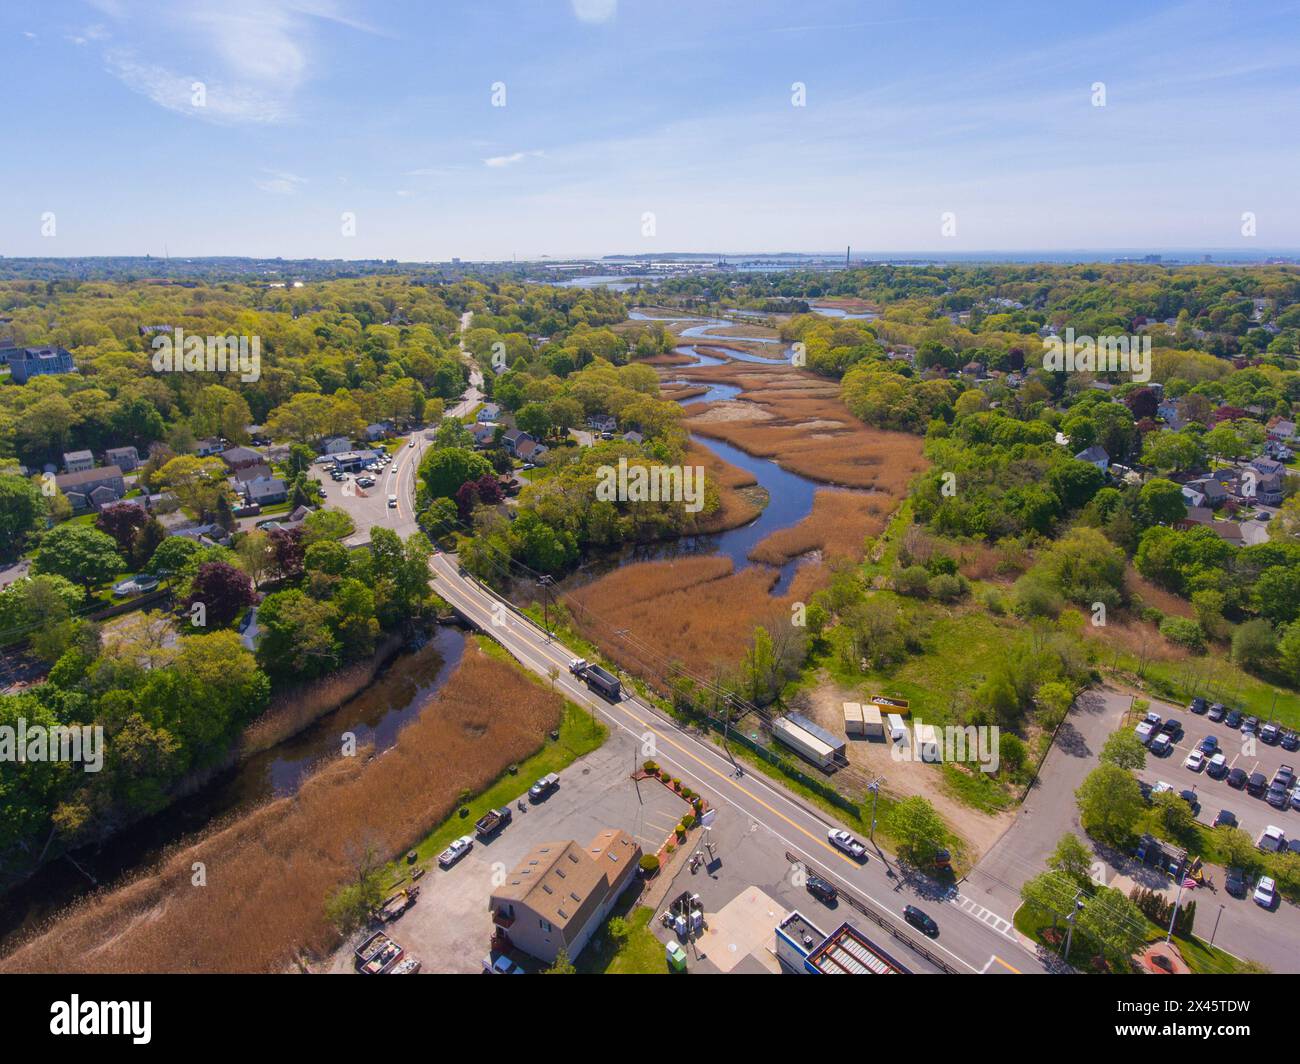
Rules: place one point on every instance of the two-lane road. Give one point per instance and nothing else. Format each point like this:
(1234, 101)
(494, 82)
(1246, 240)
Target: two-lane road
(973, 939)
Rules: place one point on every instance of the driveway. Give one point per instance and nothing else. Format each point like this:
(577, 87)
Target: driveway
(1050, 809)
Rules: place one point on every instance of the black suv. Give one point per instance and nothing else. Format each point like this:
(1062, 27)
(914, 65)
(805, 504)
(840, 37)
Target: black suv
(1198, 706)
(921, 921)
(1235, 881)
(821, 890)
(1257, 784)
(1237, 778)
(1172, 727)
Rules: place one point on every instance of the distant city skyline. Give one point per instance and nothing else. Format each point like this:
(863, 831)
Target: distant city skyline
(337, 129)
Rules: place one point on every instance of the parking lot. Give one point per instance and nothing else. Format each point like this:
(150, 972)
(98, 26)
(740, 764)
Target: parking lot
(449, 928)
(368, 506)
(1250, 756)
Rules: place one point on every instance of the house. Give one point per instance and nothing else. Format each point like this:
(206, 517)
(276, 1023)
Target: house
(380, 430)
(207, 448)
(211, 535)
(483, 434)
(1212, 491)
(1268, 490)
(514, 438)
(335, 445)
(1193, 498)
(244, 474)
(80, 487)
(489, 412)
(266, 491)
(633, 437)
(1095, 455)
(28, 362)
(1281, 430)
(78, 461)
(560, 893)
(530, 450)
(1268, 467)
(602, 422)
(125, 458)
(240, 457)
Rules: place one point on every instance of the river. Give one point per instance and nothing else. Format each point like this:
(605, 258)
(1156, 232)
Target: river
(397, 696)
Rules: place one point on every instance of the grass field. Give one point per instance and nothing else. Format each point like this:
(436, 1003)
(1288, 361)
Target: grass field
(640, 953)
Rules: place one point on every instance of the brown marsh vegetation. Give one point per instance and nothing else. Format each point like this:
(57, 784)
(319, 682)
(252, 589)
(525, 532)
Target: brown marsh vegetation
(270, 872)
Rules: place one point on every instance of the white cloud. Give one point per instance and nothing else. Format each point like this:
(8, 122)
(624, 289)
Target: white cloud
(280, 182)
(252, 56)
(498, 161)
(595, 10)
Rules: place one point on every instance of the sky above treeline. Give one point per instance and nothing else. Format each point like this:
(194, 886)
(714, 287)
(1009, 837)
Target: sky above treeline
(421, 130)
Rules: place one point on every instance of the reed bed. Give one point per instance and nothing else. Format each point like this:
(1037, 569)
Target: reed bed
(270, 872)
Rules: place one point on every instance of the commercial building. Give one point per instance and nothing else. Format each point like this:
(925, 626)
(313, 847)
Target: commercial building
(560, 893)
(802, 948)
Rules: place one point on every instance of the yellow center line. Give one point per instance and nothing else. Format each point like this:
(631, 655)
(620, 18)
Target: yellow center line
(722, 776)
(1007, 966)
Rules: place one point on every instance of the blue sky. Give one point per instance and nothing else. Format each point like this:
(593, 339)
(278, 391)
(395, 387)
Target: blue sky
(616, 108)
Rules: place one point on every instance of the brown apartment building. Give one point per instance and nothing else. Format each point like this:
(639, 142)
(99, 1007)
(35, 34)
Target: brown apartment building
(560, 893)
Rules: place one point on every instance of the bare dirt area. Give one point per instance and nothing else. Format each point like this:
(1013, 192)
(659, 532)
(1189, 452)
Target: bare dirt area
(979, 830)
(268, 874)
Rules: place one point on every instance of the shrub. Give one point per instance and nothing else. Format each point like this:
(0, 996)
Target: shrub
(1183, 631)
(688, 821)
(947, 587)
(913, 580)
(650, 767)
(649, 864)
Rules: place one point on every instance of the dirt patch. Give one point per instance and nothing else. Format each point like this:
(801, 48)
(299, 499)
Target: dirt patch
(978, 830)
(270, 872)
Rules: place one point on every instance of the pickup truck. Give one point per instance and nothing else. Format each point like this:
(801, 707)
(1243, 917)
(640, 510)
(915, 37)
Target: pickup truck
(492, 821)
(543, 787)
(842, 840)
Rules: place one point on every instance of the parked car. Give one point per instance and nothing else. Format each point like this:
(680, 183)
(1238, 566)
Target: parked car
(1232, 718)
(1217, 711)
(1172, 727)
(821, 890)
(1226, 818)
(1217, 767)
(1209, 745)
(1237, 778)
(923, 922)
(1235, 881)
(1272, 839)
(1194, 761)
(1265, 892)
(1161, 745)
(1257, 784)
(1295, 798)
(1161, 787)
(503, 965)
(1270, 733)
(1278, 796)
(1250, 726)
(1198, 706)
(453, 853)
(1284, 775)
(842, 840)
(543, 787)
(1290, 740)
(1189, 796)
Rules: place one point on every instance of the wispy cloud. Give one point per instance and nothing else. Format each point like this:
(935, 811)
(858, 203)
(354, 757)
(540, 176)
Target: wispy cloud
(595, 10)
(280, 182)
(251, 57)
(498, 161)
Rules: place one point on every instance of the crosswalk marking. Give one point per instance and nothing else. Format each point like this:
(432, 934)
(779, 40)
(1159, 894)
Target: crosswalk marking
(999, 923)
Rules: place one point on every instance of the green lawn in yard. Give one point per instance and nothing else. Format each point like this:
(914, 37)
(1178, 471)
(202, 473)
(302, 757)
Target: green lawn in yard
(1215, 677)
(640, 953)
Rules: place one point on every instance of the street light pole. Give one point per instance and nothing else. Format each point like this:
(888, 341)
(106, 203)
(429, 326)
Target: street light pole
(545, 584)
(1174, 915)
(1216, 925)
(1069, 920)
(874, 788)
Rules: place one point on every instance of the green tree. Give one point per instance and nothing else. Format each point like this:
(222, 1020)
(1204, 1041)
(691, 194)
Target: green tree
(1162, 501)
(1110, 804)
(1124, 749)
(1114, 925)
(443, 471)
(79, 553)
(1072, 858)
(21, 512)
(918, 829)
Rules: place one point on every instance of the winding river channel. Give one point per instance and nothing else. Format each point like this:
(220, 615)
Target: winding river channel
(397, 695)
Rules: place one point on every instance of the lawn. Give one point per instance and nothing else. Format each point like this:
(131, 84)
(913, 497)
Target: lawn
(640, 953)
(1215, 677)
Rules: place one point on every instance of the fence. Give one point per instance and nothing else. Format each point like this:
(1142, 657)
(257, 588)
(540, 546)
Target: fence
(887, 925)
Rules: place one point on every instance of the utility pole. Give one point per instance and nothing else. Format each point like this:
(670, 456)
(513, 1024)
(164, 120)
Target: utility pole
(874, 788)
(1174, 915)
(1069, 920)
(545, 583)
(1216, 925)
